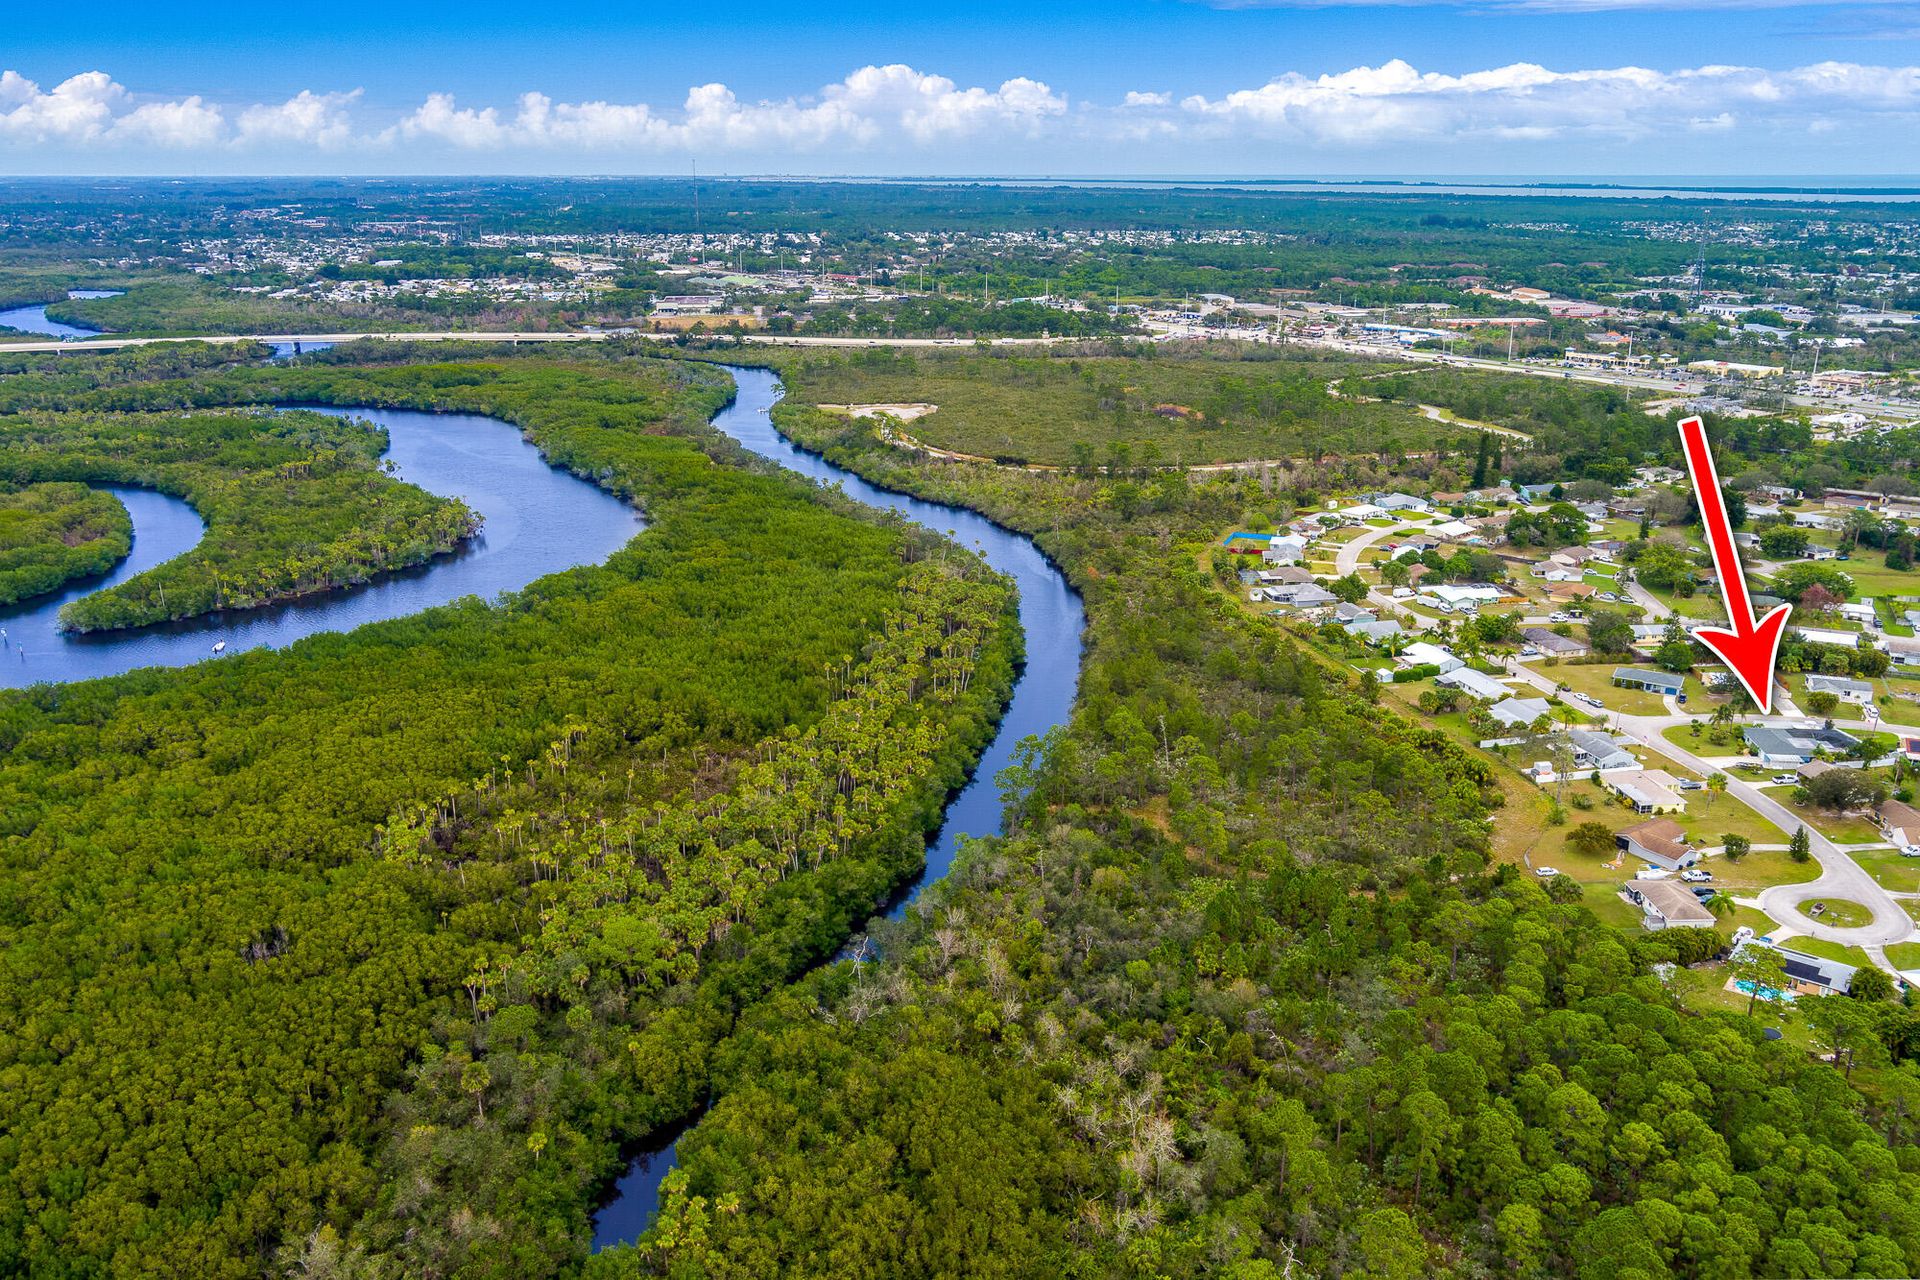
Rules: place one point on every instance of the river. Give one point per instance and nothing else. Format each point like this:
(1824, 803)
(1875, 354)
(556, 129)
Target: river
(537, 519)
(34, 319)
(1052, 617)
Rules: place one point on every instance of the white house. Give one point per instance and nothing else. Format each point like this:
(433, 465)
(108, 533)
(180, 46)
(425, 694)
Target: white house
(1422, 654)
(1816, 635)
(1855, 691)
(1475, 684)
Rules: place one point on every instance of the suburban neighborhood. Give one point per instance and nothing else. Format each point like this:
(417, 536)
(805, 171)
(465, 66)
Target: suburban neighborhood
(1642, 778)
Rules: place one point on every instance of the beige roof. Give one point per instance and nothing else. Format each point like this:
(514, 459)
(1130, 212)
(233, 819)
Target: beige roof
(1675, 902)
(1663, 836)
(1900, 817)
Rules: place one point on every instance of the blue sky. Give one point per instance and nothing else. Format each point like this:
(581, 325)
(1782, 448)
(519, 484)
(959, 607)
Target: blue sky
(1124, 86)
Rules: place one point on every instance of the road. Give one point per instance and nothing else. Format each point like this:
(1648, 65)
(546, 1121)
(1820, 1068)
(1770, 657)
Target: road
(1672, 386)
(1840, 876)
(509, 336)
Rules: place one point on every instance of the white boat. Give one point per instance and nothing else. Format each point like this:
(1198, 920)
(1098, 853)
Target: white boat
(220, 646)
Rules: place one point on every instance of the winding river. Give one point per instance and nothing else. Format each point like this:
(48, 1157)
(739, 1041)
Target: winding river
(537, 520)
(34, 319)
(1050, 613)
(541, 520)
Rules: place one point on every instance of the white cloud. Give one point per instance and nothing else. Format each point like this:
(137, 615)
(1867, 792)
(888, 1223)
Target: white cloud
(78, 109)
(896, 110)
(872, 105)
(185, 125)
(1394, 103)
(307, 118)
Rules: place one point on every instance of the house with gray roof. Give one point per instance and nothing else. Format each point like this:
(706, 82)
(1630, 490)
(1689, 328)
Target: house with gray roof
(1475, 684)
(1796, 746)
(1518, 713)
(1847, 690)
(1595, 750)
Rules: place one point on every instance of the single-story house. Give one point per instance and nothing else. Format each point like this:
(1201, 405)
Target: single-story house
(1518, 713)
(1459, 593)
(1374, 630)
(1808, 975)
(1813, 769)
(1595, 750)
(1345, 612)
(1476, 684)
(1857, 691)
(1820, 635)
(1666, 905)
(1301, 595)
(1422, 654)
(1860, 611)
(1796, 746)
(1817, 552)
(1648, 791)
(1538, 492)
(1285, 575)
(1554, 643)
(1399, 502)
(1816, 520)
(1901, 822)
(1904, 651)
(1659, 841)
(1453, 530)
(1285, 550)
(1563, 592)
(1665, 683)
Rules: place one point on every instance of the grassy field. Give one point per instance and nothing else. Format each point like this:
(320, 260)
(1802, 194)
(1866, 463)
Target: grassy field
(1902, 875)
(1167, 408)
(1840, 913)
(1904, 955)
(1830, 951)
(1596, 678)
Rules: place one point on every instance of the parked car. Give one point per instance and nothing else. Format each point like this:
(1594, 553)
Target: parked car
(1910, 850)
(1688, 784)
(1546, 873)
(1786, 779)
(1694, 875)
(1589, 699)
(1703, 892)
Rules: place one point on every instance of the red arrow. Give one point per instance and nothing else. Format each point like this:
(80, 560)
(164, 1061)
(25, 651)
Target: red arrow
(1752, 647)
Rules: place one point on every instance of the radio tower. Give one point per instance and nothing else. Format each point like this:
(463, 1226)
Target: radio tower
(1700, 265)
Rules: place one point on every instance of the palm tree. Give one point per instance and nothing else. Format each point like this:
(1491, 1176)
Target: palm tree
(1721, 904)
(1716, 783)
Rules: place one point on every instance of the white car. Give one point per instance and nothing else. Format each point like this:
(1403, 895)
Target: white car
(1589, 699)
(1910, 850)
(1785, 779)
(1546, 873)
(1693, 875)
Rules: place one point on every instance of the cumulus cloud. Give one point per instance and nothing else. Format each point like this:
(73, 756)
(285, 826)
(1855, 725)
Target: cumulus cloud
(897, 110)
(874, 104)
(306, 119)
(1396, 103)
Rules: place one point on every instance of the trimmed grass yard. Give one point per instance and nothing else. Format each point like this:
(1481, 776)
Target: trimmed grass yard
(1904, 955)
(1596, 678)
(1840, 913)
(1901, 875)
(1830, 951)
